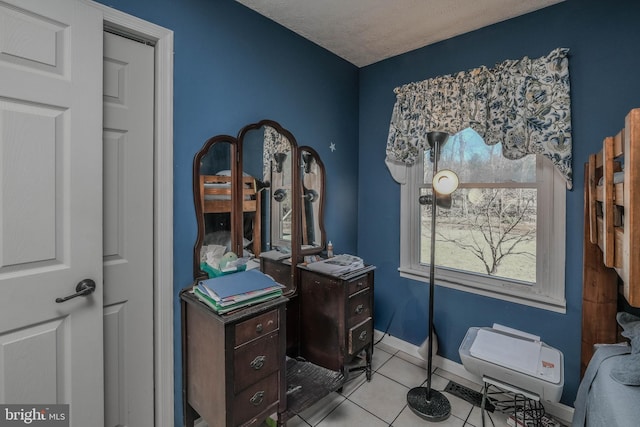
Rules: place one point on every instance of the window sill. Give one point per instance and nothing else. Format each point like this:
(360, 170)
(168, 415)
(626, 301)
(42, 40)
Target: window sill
(511, 295)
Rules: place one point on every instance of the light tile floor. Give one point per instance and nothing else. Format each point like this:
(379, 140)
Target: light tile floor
(382, 402)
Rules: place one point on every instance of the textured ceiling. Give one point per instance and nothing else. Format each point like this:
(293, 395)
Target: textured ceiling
(368, 31)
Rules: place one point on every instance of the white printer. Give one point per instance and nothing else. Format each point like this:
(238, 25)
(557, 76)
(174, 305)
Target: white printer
(516, 358)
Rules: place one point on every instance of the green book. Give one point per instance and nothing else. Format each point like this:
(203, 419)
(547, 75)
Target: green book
(215, 306)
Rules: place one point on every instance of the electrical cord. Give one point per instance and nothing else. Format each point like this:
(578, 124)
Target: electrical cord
(386, 330)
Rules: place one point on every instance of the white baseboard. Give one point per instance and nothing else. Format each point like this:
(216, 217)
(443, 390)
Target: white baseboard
(559, 410)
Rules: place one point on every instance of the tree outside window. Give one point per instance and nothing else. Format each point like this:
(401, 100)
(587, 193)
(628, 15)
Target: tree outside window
(490, 227)
(503, 234)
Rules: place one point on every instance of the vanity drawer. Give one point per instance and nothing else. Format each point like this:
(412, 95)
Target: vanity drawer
(359, 336)
(256, 327)
(357, 284)
(313, 278)
(255, 360)
(255, 399)
(359, 307)
(279, 271)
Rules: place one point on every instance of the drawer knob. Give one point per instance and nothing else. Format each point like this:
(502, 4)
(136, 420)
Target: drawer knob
(359, 308)
(258, 362)
(259, 328)
(362, 336)
(257, 398)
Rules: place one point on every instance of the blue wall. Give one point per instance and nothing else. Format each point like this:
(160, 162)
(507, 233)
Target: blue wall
(233, 67)
(604, 44)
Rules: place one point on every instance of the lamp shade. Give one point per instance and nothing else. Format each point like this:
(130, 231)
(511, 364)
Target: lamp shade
(445, 182)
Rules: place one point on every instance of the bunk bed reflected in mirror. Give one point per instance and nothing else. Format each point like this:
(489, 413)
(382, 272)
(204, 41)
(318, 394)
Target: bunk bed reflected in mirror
(312, 179)
(249, 209)
(214, 189)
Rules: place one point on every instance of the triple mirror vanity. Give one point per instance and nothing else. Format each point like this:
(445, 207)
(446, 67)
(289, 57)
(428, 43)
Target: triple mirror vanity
(261, 196)
(251, 208)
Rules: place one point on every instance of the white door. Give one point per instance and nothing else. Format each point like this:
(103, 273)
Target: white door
(128, 232)
(51, 205)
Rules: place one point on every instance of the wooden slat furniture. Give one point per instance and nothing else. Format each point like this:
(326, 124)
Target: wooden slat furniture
(216, 196)
(612, 234)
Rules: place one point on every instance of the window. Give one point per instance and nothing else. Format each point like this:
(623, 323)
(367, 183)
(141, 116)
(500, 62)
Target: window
(504, 233)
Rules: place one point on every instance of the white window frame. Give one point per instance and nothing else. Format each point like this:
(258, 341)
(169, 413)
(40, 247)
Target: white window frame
(549, 290)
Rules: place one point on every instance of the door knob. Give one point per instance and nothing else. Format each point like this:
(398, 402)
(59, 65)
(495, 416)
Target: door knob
(84, 288)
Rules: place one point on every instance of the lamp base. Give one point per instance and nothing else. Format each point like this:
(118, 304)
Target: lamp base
(437, 408)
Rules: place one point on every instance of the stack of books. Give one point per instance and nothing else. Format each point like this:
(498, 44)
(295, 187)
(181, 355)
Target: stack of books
(235, 291)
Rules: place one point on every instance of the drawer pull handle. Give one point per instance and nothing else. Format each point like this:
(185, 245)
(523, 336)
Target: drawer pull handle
(258, 362)
(259, 328)
(257, 398)
(359, 308)
(317, 282)
(360, 284)
(362, 336)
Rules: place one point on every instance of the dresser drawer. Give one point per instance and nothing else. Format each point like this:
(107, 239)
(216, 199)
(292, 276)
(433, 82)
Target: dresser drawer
(357, 284)
(255, 360)
(359, 336)
(256, 327)
(317, 279)
(279, 271)
(255, 399)
(359, 307)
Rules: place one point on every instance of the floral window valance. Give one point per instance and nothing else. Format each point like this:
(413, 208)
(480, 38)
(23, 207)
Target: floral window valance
(522, 104)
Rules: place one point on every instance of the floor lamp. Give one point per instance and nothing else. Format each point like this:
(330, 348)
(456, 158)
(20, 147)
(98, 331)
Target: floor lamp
(425, 402)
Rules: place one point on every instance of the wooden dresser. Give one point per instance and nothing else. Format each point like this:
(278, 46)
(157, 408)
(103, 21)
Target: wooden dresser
(233, 365)
(336, 319)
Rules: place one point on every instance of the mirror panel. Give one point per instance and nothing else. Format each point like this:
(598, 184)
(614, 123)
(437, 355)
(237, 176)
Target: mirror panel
(213, 196)
(267, 155)
(279, 159)
(312, 178)
(254, 189)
